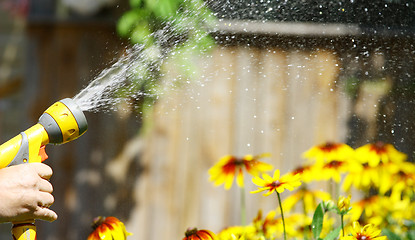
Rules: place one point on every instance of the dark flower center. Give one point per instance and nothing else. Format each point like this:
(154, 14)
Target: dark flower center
(329, 147)
(97, 222)
(300, 169)
(362, 237)
(190, 232)
(379, 147)
(333, 164)
(275, 184)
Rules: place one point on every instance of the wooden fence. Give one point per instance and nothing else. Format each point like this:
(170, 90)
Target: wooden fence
(248, 100)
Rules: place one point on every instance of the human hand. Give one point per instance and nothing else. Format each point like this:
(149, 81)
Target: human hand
(26, 193)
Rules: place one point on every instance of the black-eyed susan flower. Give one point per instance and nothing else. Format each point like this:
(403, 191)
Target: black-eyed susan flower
(271, 226)
(108, 228)
(379, 152)
(329, 151)
(276, 183)
(343, 207)
(399, 178)
(265, 226)
(332, 169)
(307, 173)
(238, 233)
(362, 176)
(388, 210)
(230, 166)
(195, 234)
(367, 208)
(401, 211)
(368, 232)
(343, 204)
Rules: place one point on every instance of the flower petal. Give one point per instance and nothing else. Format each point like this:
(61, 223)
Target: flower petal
(276, 175)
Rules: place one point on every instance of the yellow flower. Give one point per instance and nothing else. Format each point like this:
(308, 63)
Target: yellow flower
(237, 233)
(275, 183)
(331, 170)
(268, 226)
(343, 204)
(228, 166)
(307, 173)
(388, 209)
(398, 177)
(298, 226)
(329, 151)
(271, 227)
(361, 176)
(108, 228)
(370, 207)
(375, 153)
(308, 198)
(194, 234)
(368, 232)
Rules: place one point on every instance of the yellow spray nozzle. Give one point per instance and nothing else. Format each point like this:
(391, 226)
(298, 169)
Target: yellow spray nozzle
(64, 121)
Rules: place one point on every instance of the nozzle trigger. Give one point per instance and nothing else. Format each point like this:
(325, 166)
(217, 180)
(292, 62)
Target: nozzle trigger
(42, 153)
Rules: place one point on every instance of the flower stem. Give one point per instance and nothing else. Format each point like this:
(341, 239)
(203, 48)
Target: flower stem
(342, 223)
(243, 207)
(307, 230)
(282, 215)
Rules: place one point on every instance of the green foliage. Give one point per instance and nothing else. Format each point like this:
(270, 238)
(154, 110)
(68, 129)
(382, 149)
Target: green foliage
(165, 28)
(390, 235)
(333, 234)
(317, 223)
(179, 18)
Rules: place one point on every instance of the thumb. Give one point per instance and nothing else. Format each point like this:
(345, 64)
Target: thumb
(45, 214)
(43, 170)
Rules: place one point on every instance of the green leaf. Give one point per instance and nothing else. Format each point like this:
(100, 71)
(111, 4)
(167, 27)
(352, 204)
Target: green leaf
(165, 8)
(151, 4)
(141, 34)
(317, 223)
(333, 234)
(129, 20)
(126, 23)
(411, 235)
(135, 3)
(204, 43)
(390, 235)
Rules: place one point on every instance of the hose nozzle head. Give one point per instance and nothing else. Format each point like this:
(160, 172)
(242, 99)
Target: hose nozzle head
(64, 121)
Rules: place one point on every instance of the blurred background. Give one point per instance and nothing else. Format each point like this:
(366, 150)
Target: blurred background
(276, 76)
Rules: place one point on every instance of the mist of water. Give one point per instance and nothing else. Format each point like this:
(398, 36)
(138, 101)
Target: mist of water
(101, 93)
(122, 81)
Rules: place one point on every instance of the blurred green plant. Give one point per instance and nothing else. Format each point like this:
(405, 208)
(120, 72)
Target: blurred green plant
(184, 21)
(164, 29)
